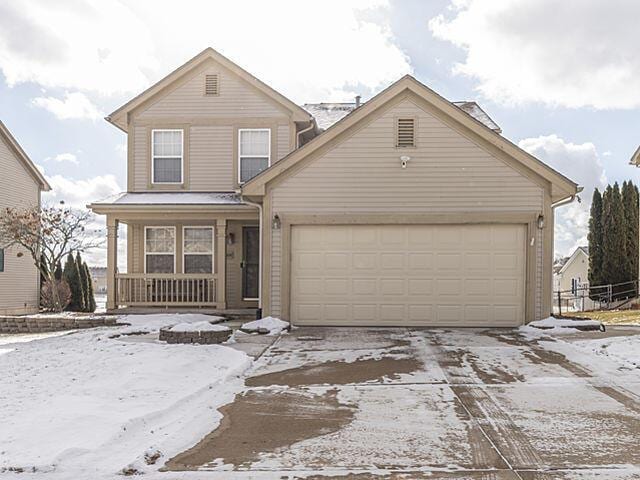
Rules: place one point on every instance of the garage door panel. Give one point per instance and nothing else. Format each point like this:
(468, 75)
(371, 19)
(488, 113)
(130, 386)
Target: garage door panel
(440, 275)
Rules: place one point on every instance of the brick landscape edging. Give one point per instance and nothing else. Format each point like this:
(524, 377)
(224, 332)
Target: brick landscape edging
(30, 324)
(204, 337)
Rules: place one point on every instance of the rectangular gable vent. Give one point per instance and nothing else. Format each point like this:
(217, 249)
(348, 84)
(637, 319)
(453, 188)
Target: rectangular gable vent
(406, 131)
(211, 84)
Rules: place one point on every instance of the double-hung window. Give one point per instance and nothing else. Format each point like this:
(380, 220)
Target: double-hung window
(198, 249)
(167, 156)
(254, 152)
(159, 249)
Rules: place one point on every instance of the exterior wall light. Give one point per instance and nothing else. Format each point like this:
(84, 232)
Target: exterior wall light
(231, 238)
(540, 222)
(275, 223)
(404, 160)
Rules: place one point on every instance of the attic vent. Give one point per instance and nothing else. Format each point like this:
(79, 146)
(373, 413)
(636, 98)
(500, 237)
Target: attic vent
(405, 135)
(211, 84)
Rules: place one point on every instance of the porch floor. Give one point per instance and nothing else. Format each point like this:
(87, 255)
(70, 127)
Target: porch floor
(231, 314)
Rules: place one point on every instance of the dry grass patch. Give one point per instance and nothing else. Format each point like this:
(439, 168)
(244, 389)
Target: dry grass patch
(612, 317)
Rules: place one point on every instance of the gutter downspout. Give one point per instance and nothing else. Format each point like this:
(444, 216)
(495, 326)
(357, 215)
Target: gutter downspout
(259, 207)
(312, 124)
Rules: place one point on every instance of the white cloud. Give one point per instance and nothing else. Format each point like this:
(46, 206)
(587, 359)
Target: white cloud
(322, 51)
(78, 194)
(573, 53)
(581, 163)
(75, 105)
(64, 157)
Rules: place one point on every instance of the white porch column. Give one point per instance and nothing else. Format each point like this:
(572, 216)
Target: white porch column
(221, 263)
(112, 261)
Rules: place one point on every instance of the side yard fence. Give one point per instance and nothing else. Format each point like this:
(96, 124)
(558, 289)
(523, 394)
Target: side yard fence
(584, 297)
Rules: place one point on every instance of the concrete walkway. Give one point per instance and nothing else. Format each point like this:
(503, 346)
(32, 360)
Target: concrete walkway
(437, 404)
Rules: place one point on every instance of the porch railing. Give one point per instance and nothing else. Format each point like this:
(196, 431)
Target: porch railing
(170, 290)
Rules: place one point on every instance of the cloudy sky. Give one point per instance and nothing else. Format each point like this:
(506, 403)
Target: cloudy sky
(561, 77)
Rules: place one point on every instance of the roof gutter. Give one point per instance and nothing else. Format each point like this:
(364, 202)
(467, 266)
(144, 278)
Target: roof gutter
(568, 200)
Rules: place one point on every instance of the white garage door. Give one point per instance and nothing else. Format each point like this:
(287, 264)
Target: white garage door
(390, 275)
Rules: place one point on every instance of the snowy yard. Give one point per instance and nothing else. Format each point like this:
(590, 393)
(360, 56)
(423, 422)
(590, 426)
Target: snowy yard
(86, 404)
(95, 403)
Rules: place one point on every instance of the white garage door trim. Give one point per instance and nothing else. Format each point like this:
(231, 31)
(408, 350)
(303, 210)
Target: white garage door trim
(456, 292)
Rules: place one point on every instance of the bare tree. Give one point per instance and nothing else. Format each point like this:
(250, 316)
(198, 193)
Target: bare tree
(48, 234)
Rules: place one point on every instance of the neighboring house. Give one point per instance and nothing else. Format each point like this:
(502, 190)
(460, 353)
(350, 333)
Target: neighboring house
(99, 279)
(20, 186)
(407, 210)
(572, 281)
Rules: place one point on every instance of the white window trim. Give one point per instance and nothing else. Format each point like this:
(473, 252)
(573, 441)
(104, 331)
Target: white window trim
(157, 253)
(213, 247)
(240, 130)
(153, 155)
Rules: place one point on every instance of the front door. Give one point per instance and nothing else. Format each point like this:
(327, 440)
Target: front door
(250, 262)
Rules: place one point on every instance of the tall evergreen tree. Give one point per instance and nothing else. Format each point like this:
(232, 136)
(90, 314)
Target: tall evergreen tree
(91, 298)
(630, 204)
(613, 238)
(72, 275)
(595, 242)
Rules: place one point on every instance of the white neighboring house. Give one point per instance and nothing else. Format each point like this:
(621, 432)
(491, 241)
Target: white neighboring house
(20, 186)
(573, 279)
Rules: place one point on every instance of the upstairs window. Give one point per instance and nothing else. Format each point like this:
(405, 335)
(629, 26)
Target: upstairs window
(211, 86)
(198, 249)
(166, 156)
(159, 249)
(254, 151)
(405, 133)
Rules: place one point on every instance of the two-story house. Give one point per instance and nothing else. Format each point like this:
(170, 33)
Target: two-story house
(21, 184)
(406, 210)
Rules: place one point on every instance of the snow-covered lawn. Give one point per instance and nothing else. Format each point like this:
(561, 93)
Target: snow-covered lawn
(90, 403)
(625, 350)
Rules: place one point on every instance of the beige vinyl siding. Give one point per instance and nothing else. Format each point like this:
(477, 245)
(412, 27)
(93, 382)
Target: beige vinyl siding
(283, 142)
(236, 98)
(211, 158)
(19, 281)
(447, 173)
(141, 157)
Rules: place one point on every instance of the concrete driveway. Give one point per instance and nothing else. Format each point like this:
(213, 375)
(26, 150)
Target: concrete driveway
(438, 404)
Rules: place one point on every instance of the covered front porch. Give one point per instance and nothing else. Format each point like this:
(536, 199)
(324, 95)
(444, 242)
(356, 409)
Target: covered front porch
(181, 256)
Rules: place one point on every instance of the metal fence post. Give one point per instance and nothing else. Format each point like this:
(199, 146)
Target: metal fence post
(559, 303)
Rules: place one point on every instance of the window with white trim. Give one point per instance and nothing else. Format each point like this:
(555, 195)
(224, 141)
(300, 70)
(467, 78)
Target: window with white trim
(166, 156)
(159, 249)
(198, 249)
(254, 152)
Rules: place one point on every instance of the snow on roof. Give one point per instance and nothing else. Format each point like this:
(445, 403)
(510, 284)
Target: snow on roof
(172, 198)
(326, 114)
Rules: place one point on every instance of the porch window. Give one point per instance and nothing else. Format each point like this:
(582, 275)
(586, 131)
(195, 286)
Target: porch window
(198, 249)
(167, 156)
(159, 249)
(254, 152)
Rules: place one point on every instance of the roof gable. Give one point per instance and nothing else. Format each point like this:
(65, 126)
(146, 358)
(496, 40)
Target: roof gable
(579, 252)
(119, 117)
(23, 158)
(561, 187)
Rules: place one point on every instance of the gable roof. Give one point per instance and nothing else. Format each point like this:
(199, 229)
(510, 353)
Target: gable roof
(21, 155)
(328, 113)
(562, 187)
(635, 159)
(118, 117)
(574, 255)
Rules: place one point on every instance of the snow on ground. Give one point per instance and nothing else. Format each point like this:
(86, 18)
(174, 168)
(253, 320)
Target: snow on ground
(625, 351)
(274, 325)
(199, 327)
(555, 325)
(87, 404)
